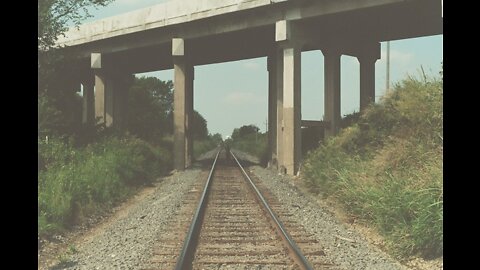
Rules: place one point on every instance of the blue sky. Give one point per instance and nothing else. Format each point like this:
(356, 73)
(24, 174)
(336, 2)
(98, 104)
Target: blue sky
(233, 94)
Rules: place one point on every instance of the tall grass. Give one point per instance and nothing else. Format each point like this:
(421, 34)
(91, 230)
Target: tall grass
(76, 182)
(387, 168)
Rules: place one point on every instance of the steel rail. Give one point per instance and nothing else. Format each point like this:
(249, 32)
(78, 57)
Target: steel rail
(186, 256)
(296, 252)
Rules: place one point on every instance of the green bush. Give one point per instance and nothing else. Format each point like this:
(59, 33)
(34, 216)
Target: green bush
(73, 183)
(387, 168)
(254, 144)
(202, 146)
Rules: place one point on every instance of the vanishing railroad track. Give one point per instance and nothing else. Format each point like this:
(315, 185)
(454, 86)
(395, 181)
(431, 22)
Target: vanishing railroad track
(233, 227)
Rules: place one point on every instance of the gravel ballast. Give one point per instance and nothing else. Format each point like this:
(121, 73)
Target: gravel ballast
(128, 242)
(334, 236)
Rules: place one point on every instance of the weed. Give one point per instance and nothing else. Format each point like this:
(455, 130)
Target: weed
(387, 168)
(76, 182)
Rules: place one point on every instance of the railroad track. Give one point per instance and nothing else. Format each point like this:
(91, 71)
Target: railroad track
(233, 227)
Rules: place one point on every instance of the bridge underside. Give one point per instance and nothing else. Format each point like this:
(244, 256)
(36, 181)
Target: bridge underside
(269, 33)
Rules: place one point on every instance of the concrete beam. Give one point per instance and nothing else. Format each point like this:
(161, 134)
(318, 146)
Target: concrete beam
(182, 106)
(169, 15)
(142, 43)
(96, 60)
(178, 47)
(332, 91)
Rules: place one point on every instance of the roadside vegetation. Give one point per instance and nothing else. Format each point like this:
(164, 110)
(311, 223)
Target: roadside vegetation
(386, 169)
(76, 182)
(203, 145)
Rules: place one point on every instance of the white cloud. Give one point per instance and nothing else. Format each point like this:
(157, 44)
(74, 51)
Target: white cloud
(241, 98)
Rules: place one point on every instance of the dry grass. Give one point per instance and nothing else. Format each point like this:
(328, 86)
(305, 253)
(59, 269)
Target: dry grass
(387, 168)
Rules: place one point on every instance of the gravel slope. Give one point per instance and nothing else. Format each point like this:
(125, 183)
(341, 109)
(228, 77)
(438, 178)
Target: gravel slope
(128, 242)
(329, 232)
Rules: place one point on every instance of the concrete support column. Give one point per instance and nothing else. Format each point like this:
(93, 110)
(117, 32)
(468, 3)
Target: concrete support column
(100, 111)
(110, 94)
(290, 53)
(182, 106)
(292, 109)
(120, 98)
(272, 109)
(278, 156)
(367, 61)
(103, 92)
(189, 116)
(367, 81)
(88, 110)
(332, 92)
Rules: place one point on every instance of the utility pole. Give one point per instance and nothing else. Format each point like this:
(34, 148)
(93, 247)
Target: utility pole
(388, 68)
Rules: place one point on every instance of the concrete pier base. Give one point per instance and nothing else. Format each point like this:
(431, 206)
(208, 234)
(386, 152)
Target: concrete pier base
(182, 106)
(332, 92)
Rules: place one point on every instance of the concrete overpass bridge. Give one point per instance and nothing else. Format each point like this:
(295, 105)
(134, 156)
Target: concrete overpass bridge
(182, 34)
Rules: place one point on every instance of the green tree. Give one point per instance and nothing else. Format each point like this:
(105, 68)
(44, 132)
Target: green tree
(200, 130)
(55, 15)
(59, 106)
(149, 108)
(243, 131)
(217, 138)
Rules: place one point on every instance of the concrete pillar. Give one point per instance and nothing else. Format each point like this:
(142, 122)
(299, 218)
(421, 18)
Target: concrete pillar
(278, 157)
(100, 90)
(120, 98)
(292, 109)
(290, 53)
(110, 94)
(367, 61)
(182, 105)
(367, 81)
(189, 117)
(88, 110)
(100, 82)
(332, 92)
(272, 109)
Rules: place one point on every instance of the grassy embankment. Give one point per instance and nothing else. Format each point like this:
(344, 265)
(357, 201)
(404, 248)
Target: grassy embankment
(75, 182)
(387, 168)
